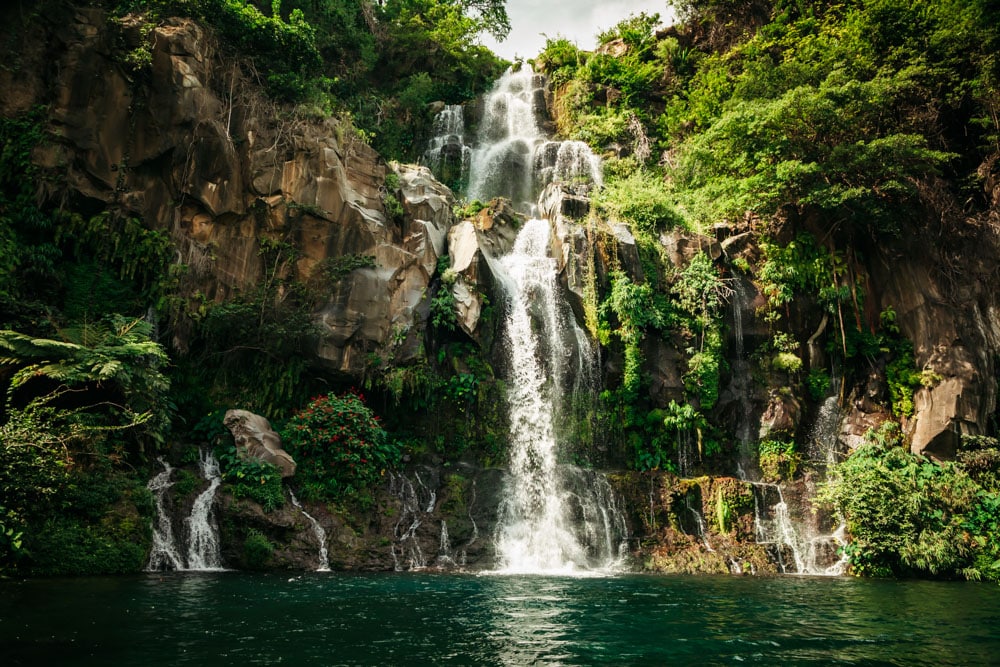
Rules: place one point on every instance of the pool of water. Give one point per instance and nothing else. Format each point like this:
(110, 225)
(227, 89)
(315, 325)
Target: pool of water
(232, 618)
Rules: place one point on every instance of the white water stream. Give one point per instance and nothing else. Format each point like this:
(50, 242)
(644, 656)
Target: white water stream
(203, 535)
(539, 525)
(513, 157)
(164, 554)
(324, 554)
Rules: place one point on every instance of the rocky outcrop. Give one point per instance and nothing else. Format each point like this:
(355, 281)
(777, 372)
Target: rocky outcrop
(189, 146)
(955, 333)
(256, 439)
(474, 246)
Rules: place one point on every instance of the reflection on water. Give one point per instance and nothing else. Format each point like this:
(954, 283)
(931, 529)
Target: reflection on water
(337, 619)
(531, 620)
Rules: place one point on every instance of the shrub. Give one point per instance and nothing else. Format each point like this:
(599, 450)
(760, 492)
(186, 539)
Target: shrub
(341, 448)
(443, 313)
(641, 200)
(907, 514)
(777, 459)
(252, 478)
(257, 550)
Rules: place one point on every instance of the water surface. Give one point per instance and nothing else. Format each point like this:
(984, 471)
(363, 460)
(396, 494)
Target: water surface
(397, 619)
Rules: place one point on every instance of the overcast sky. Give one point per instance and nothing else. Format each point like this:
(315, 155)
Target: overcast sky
(577, 20)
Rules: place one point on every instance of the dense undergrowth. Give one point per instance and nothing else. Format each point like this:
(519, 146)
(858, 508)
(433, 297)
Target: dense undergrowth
(826, 131)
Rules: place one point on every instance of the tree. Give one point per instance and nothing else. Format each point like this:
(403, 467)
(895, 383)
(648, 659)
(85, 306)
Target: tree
(98, 378)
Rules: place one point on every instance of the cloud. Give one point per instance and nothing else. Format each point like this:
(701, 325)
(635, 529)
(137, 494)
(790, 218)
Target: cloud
(577, 20)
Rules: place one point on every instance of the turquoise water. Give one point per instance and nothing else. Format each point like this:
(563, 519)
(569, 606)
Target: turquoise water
(429, 619)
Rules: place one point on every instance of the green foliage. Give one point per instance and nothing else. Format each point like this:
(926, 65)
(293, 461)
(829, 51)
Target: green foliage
(143, 257)
(253, 478)
(702, 377)
(29, 257)
(778, 460)
(641, 200)
(799, 268)
(108, 377)
(837, 110)
(559, 60)
(731, 499)
(907, 514)
(340, 447)
(904, 378)
(253, 350)
(699, 293)
(818, 383)
(637, 31)
(93, 522)
(284, 51)
(33, 471)
(443, 308)
(635, 308)
(335, 269)
(811, 147)
(257, 550)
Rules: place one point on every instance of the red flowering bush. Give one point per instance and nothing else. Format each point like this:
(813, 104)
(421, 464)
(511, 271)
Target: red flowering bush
(341, 449)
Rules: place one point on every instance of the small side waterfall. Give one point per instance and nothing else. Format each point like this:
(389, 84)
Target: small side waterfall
(421, 539)
(699, 522)
(823, 440)
(793, 552)
(448, 155)
(324, 557)
(203, 535)
(686, 452)
(164, 555)
(407, 553)
(537, 530)
(742, 381)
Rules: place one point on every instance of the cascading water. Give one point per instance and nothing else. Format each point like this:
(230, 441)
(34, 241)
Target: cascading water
(793, 550)
(164, 555)
(515, 158)
(823, 440)
(537, 531)
(448, 155)
(324, 559)
(742, 381)
(203, 536)
(789, 542)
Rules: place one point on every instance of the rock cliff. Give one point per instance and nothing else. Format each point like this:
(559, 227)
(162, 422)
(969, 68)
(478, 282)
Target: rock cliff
(189, 146)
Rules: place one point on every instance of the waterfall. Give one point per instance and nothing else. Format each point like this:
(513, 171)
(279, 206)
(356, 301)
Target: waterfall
(815, 555)
(164, 555)
(686, 454)
(324, 559)
(411, 516)
(699, 523)
(203, 536)
(742, 382)
(823, 437)
(537, 529)
(448, 156)
(515, 158)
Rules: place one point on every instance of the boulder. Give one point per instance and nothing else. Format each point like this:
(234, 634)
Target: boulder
(256, 439)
